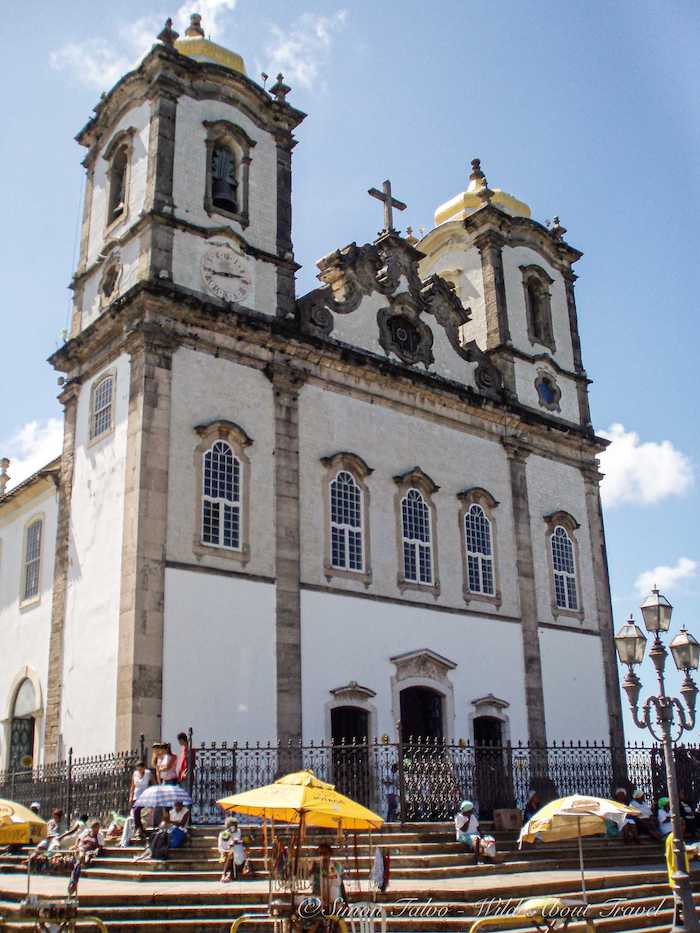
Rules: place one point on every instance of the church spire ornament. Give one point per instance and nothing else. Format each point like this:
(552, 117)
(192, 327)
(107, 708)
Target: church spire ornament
(279, 89)
(167, 35)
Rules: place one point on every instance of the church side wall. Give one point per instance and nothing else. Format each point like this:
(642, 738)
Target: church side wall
(206, 389)
(24, 630)
(574, 686)
(393, 442)
(219, 674)
(553, 487)
(88, 710)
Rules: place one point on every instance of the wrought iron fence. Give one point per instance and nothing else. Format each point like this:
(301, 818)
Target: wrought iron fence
(94, 786)
(426, 780)
(412, 781)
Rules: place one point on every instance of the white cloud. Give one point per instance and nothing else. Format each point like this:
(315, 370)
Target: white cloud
(99, 63)
(641, 472)
(31, 447)
(664, 577)
(301, 51)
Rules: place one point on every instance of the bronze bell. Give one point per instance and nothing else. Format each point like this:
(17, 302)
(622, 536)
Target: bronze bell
(223, 194)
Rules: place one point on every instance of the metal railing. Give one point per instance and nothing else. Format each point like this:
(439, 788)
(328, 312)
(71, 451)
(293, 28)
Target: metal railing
(416, 780)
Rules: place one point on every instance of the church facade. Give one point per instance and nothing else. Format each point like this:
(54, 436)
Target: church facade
(369, 508)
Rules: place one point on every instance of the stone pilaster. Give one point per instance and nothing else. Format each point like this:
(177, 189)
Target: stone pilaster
(490, 245)
(159, 199)
(141, 610)
(286, 384)
(525, 567)
(581, 386)
(594, 512)
(54, 686)
(87, 214)
(285, 250)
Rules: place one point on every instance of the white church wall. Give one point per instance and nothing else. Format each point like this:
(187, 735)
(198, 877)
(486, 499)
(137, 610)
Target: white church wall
(129, 257)
(513, 258)
(219, 672)
(346, 638)
(554, 487)
(188, 251)
(88, 713)
(462, 266)
(574, 686)
(190, 171)
(392, 442)
(24, 629)
(205, 389)
(526, 375)
(137, 117)
(361, 329)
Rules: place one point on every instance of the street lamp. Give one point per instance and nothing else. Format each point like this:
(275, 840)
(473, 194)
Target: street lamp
(671, 716)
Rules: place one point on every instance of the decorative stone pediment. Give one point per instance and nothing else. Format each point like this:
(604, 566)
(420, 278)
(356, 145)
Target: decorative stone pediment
(353, 693)
(389, 268)
(489, 701)
(419, 478)
(423, 663)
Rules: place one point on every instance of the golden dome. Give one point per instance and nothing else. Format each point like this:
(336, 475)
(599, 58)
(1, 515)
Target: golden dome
(195, 45)
(472, 199)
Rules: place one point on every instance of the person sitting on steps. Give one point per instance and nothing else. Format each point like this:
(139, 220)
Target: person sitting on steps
(467, 828)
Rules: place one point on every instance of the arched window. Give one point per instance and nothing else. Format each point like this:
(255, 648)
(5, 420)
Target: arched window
(221, 497)
(224, 180)
(417, 546)
(536, 284)
(477, 539)
(117, 183)
(21, 755)
(32, 560)
(564, 567)
(101, 404)
(346, 523)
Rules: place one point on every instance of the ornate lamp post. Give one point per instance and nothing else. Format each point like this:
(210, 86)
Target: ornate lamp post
(671, 716)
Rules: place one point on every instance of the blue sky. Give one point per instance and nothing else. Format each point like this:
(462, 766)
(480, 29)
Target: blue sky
(588, 111)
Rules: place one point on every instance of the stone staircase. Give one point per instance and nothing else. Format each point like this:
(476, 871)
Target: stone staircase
(428, 867)
(420, 852)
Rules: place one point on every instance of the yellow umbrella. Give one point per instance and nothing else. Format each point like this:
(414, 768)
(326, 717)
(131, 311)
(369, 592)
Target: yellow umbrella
(301, 797)
(19, 825)
(572, 818)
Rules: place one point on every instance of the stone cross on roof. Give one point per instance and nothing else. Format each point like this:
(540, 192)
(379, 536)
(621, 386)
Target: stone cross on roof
(389, 203)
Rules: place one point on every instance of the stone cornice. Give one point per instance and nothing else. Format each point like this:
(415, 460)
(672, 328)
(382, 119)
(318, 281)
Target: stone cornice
(165, 70)
(521, 231)
(510, 351)
(178, 223)
(190, 319)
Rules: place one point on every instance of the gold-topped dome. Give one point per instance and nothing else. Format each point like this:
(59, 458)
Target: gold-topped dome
(194, 44)
(477, 195)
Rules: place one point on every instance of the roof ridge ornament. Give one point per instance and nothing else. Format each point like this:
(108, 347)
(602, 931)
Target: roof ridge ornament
(195, 27)
(167, 35)
(556, 229)
(279, 89)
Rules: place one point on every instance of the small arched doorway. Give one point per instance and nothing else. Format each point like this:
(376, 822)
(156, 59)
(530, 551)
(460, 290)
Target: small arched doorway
(421, 714)
(22, 728)
(493, 788)
(350, 735)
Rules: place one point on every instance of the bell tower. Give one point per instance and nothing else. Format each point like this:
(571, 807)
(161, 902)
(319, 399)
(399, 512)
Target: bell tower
(188, 183)
(186, 240)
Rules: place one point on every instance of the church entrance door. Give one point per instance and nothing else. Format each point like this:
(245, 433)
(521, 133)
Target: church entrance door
(421, 714)
(350, 734)
(22, 728)
(493, 787)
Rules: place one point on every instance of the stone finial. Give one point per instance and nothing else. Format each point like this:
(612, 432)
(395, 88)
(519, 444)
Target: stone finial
(195, 27)
(4, 475)
(556, 229)
(484, 192)
(477, 176)
(279, 90)
(167, 35)
(409, 236)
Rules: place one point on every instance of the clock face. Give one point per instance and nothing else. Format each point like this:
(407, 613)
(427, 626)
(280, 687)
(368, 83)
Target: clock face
(226, 273)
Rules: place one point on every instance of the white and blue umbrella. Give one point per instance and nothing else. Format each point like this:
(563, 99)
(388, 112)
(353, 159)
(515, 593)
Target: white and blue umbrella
(163, 795)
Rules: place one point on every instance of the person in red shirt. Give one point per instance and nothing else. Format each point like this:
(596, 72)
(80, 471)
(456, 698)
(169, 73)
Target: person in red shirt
(183, 760)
